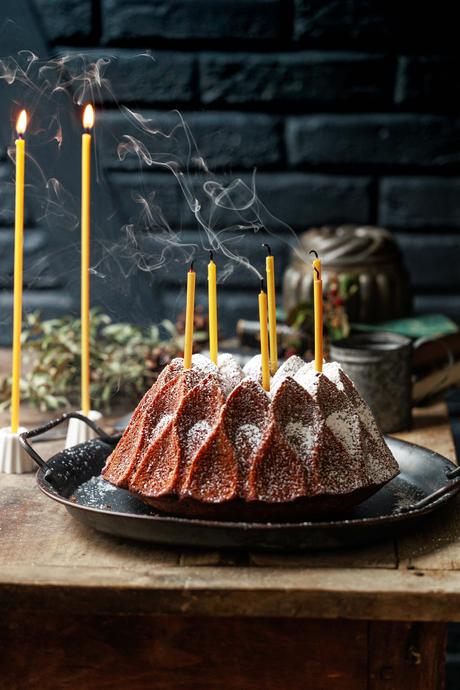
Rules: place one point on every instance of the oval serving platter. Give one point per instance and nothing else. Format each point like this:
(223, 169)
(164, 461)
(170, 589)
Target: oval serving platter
(72, 477)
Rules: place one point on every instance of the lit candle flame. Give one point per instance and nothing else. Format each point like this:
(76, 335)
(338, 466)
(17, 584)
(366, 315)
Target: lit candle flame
(21, 123)
(88, 116)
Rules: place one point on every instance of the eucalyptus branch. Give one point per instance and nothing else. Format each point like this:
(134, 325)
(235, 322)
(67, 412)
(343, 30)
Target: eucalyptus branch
(125, 361)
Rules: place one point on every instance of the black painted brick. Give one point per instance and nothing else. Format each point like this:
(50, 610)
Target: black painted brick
(302, 200)
(50, 303)
(65, 20)
(431, 261)
(420, 202)
(38, 271)
(340, 19)
(224, 140)
(131, 191)
(377, 23)
(239, 276)
(7, 193)
(438, 304)
(233, 305)
(374, 140)
(190, 19)
(297, 199)
(315, 77)
(432, 81)
(134, 76)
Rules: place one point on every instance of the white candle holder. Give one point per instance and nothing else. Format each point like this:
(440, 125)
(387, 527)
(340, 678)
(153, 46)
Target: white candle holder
(13, 457)
(79, 432)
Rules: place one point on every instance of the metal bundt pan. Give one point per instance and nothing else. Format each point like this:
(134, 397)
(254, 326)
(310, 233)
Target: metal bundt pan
(426, 482)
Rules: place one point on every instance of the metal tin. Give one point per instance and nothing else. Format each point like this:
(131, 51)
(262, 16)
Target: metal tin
(379, 364)
(367, 256)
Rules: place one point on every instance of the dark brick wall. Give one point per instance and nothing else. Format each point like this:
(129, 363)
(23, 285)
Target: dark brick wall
(349, 109)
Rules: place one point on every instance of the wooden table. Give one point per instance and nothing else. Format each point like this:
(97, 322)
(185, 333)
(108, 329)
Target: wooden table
(83, 610)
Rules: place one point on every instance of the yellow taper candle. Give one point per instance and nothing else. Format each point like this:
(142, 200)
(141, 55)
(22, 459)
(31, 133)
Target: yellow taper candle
(189, 318)
(264, 337)
(212, 309)
(271, 295)
(18, 270)
(318, 307)
(88, 122)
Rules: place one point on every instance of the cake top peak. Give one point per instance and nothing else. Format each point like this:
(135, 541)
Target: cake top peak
(230, 373)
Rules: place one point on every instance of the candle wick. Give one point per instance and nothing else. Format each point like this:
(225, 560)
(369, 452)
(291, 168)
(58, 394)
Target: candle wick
(269, 251)
(191, 266)
(262, 288)
(312, 251)
(211, 255)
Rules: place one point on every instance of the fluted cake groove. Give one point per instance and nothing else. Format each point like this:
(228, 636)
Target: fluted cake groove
(210, 442)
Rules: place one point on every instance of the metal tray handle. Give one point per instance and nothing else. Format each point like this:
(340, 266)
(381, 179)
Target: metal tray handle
(24, 437)
(453, 475)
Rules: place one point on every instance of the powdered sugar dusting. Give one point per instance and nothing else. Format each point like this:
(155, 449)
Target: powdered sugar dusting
(333, 372)
(344, 424)
(368, 420)
(253, 369)
(308, 378)
(164, 421)
(230, 372)
(301, 438)
(288, 368)
(197, 435)
(203, 364)
(96, 493)
(247, 439)
(217, 432)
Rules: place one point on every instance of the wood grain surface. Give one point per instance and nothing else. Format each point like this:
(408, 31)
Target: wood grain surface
(48, 560)
(82, 609)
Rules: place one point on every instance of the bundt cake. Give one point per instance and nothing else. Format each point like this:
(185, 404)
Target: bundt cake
(210, 442)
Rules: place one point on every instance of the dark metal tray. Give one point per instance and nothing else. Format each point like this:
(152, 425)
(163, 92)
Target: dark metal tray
(72, 477)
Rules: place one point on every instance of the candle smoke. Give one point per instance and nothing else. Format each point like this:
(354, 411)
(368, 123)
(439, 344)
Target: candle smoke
(226, 209)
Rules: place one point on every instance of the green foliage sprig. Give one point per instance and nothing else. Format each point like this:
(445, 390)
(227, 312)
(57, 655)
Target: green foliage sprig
(125, 361)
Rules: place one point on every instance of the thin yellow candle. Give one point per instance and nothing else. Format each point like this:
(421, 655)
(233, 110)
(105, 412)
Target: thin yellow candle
(212, 308)
(88, 122)
(18, 270)
(271, 294)
(318, 309)
(264, 337)
(189, 318)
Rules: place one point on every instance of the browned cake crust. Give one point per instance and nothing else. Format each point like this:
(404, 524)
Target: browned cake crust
(211, 443)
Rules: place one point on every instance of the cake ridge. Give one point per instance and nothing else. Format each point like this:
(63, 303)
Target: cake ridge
(212, 435)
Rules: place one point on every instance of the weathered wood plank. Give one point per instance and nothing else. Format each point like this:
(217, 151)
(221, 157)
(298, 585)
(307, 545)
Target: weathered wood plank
(381, 555)
(110, 653)
(48, 560)
(409, 656)
(431, 428)
(38, 532)
(219, 591)
(435, 546)
(191, 558)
